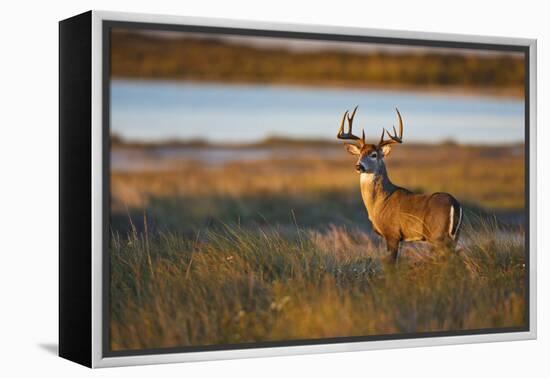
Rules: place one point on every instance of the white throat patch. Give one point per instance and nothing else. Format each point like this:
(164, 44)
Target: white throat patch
(366, 178)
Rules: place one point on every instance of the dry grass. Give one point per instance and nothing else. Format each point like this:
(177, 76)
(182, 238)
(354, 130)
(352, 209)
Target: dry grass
(488, 177)
(282, 250)
(235, 285)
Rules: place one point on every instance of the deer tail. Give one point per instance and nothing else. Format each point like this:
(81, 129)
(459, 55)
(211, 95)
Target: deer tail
(455, 219)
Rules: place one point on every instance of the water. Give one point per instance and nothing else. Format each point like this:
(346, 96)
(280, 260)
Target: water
(160, 158)
(158, 110)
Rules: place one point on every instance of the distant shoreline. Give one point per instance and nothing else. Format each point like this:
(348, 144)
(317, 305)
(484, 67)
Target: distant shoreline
(276, 142)
(139, 55)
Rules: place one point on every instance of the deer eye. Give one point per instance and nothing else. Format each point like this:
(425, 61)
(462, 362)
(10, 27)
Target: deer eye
(373, 155)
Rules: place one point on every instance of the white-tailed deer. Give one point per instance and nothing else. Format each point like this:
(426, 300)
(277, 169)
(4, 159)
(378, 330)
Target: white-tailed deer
(396, 213)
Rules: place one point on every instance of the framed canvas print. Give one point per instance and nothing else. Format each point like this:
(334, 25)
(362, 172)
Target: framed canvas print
(235, 189)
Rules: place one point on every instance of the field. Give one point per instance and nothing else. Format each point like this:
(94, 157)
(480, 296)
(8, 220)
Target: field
(276, 245)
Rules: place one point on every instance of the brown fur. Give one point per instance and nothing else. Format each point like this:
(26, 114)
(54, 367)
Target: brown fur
(399, 215)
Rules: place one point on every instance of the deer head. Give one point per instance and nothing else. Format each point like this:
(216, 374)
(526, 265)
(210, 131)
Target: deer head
(370, 157)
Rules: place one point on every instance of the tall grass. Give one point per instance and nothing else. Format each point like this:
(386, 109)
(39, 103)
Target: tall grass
(282, 249)
(234, 285)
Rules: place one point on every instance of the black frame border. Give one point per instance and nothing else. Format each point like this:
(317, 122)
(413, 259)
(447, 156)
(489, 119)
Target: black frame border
(75, 188)
(108, 25)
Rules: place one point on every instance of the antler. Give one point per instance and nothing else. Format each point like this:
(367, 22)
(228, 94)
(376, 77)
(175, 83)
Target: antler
(393, 138)
(349, 136)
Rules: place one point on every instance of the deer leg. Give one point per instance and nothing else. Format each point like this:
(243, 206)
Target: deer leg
(393, 248)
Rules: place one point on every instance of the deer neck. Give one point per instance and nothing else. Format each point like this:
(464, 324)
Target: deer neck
(375, 188)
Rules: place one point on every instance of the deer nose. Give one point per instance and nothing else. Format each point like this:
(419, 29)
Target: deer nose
(359, 167)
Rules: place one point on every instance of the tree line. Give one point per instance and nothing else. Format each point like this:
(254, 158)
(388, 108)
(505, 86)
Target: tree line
(135, 55)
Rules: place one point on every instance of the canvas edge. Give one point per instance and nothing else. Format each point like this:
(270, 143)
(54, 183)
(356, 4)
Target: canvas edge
(97, 190)
(533, 213)
(97, 227)
(74, 126)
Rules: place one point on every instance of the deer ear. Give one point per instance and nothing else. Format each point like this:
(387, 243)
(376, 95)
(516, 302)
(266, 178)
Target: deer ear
(386, 150)
(352, 149)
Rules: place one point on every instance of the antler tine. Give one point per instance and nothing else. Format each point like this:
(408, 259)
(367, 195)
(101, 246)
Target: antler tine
(350, 119)
(341, 130)
(382, 137)
(349, 135)
(393, 138)
(400, 124)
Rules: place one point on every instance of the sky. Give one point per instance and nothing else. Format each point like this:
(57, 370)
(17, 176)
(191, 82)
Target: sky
(295, 44)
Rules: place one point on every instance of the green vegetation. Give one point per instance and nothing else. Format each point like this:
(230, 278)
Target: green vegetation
(137, 55)
(282, 249)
